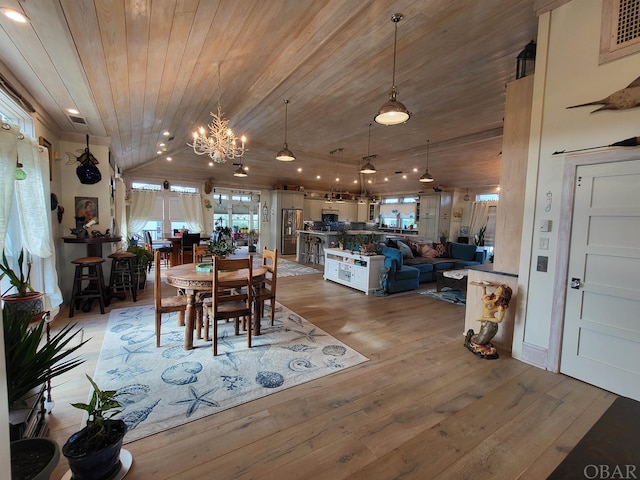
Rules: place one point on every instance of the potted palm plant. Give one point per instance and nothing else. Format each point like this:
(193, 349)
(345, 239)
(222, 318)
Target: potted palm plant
(25, 298)
(30, 364)
(93, 453)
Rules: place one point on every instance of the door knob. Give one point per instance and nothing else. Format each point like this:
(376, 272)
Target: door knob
(575, 283)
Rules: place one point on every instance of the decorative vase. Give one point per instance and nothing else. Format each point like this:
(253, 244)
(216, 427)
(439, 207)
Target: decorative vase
(34, 458)
(98, 465)
(32, 303)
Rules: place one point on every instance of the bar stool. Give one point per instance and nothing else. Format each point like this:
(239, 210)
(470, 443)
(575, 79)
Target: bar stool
(123, 275)
(89, 269)
(315, 250)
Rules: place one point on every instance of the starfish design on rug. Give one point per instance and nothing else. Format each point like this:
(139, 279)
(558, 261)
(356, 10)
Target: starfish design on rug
(310, 335)
(131, 352)
(196, 399)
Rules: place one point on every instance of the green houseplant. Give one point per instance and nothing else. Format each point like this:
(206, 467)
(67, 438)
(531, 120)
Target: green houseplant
(221, 247)
(25, 298)
(444, 236)
(94, 452)
(144, 260)
(30, 364)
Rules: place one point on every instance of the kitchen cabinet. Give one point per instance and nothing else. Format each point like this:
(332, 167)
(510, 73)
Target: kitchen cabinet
(435, 216)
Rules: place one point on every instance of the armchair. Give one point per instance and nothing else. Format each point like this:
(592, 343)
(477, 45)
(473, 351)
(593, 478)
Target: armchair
(401, 277)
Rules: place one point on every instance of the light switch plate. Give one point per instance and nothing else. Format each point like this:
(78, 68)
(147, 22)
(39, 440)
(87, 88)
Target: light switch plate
(545, 225)
(542, 264)
(544, 243)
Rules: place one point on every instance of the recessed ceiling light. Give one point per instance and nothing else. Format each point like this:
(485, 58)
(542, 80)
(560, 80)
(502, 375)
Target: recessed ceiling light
(15, 15)
(166, 134)
(73, 111)
(317, 177)
(159, 152)
(162, 144)
(355, 181)
(211, 164)
(169, 159)
(386, 179)
(403, 176)
(415, 169)
(299, 169)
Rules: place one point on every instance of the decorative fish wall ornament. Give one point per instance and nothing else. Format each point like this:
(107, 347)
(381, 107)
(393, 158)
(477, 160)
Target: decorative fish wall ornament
(622, 99)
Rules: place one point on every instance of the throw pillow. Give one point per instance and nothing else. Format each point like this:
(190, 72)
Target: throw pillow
(442, 249)
(392, 243)
(427, 252)
(404, 248)
(414, 247)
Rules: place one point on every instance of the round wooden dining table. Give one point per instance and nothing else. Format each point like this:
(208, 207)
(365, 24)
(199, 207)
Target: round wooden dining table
(193, 282)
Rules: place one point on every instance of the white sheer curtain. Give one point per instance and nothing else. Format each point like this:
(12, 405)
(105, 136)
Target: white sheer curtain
(192, 209)
(142, 203)
(25, 221)
(479, 217)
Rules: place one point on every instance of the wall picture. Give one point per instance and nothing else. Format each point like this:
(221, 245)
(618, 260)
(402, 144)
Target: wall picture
(87, 207)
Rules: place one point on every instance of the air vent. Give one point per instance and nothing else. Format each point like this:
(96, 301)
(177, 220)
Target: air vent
(620, 33)
(628, 13)
(78, 120)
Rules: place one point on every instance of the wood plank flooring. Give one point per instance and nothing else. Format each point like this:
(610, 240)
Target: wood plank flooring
(422, 407)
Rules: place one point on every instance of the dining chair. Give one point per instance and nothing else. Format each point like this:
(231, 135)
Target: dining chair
(164, 249)
(162, 305)
(266, 289)
(201, 254)
(231, 297)
(186, 246)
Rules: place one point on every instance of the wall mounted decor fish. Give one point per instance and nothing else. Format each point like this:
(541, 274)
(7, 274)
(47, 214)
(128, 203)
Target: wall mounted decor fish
(622, 99)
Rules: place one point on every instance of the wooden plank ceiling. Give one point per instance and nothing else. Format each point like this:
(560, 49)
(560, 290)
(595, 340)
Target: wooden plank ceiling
(137, 68)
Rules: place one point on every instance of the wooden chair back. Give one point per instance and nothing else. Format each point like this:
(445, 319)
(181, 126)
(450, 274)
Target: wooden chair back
(176, 303)
(270, 261)
(201, 254)
(231, 295)
(187, 243)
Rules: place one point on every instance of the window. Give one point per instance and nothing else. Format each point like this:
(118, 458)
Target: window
(145, 186)
(487, 197)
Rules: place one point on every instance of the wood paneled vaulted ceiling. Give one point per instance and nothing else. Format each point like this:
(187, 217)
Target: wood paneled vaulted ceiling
(137, 68)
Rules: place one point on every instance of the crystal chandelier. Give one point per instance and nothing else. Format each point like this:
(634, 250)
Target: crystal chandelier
(219, 143)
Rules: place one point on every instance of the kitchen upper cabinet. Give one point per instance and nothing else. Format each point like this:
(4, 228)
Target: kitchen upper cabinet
(435, 216)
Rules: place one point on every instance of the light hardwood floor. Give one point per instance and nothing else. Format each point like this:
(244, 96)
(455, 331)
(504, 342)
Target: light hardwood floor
(422, 407)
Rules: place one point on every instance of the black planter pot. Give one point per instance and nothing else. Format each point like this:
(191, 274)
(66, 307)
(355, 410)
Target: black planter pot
(34, 458)
(99, 465)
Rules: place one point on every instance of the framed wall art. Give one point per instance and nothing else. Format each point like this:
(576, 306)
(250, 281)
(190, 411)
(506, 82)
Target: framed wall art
(87, 207)
(46, 143)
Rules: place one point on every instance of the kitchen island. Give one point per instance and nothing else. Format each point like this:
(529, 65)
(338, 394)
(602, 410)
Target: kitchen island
(312, 243)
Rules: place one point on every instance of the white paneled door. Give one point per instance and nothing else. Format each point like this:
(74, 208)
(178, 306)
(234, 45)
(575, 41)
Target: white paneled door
(601, 339)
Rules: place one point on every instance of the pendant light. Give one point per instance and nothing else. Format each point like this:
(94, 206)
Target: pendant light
(393, 112)
(426, 176)
(368, 167)
(285, 155)
(467, 197)
(240, 171)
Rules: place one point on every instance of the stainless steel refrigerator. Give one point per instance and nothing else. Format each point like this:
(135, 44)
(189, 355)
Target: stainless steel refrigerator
(291, 223)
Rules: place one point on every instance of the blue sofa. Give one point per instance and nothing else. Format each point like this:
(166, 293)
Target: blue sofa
(401, 276)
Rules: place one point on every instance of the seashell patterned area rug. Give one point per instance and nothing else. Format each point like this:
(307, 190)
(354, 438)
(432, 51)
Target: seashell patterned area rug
(164, 387)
